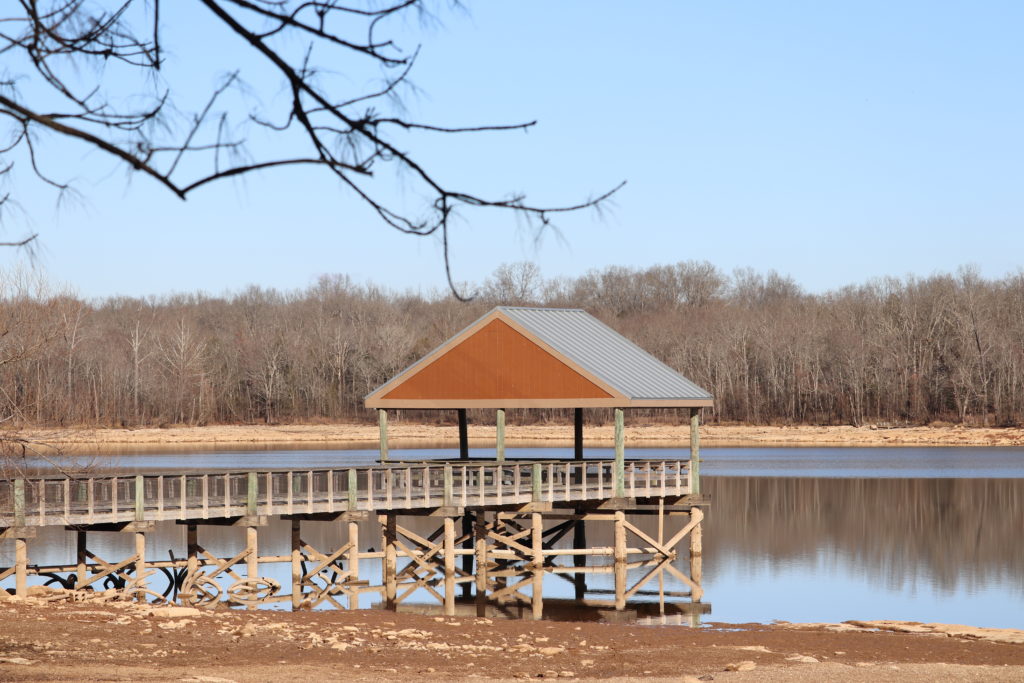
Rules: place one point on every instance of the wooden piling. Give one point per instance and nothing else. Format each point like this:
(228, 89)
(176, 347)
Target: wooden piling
(252, 567)
(620, 558)
(21, 567)
(80, 556)
(296, 563)
(390, 564)
(353, 563)
(449, 566)
(537, 546)
(696, 555)
(579, 543)
(140, 559)
(480, 535)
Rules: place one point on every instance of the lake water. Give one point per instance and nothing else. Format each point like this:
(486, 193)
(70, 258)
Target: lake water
(796, 534)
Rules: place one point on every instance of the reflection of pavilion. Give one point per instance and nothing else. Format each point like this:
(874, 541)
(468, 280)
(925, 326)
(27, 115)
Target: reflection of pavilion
(531, 358)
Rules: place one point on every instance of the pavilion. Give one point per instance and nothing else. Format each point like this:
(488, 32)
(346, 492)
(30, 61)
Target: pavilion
(517, 357)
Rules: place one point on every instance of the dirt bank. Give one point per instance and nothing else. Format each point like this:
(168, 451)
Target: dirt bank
(111, 642)
(410, 434)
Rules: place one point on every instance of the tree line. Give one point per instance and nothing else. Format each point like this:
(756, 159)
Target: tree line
(913, 350)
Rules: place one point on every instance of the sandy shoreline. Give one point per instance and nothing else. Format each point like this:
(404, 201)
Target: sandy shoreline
(411, 434)
(127, 642)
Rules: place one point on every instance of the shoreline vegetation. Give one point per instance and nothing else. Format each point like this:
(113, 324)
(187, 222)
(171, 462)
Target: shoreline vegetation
(405, 435)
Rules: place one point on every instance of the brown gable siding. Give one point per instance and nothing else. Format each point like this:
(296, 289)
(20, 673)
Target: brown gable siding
(496, 362)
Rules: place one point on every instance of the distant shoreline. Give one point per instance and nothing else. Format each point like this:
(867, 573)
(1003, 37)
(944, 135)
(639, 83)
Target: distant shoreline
(403, 434)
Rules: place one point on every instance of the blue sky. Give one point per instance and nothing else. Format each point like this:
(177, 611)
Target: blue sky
(830, 141)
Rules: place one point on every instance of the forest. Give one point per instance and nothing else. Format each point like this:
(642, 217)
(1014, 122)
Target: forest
(948, 347)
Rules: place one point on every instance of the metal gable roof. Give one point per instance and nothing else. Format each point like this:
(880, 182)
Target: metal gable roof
(632, 377)
(605, 353)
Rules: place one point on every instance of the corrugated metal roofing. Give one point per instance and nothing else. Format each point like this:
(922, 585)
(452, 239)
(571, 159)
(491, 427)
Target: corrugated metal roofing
(605, 353)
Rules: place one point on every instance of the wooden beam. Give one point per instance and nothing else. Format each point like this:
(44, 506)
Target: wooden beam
(463, 435)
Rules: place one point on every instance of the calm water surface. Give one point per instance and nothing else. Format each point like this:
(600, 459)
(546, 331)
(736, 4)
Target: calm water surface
(798, 534)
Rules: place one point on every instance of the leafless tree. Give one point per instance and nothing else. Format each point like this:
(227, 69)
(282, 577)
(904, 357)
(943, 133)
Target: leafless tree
(101, 73)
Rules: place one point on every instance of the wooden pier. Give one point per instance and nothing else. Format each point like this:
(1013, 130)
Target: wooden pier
(499, 530)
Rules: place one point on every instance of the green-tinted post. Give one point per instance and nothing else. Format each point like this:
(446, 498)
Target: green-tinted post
(19, 502)
(535, 480)
(382, 419)
(252, 494)
(499, 447)
(694, 450)
(620, 454)
(140, 498)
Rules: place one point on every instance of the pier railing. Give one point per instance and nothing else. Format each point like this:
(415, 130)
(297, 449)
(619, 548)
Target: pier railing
(55, 500)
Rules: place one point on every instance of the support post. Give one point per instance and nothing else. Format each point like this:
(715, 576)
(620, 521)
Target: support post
(382, 419)
(620, 454)
(696, 555)
(252, 567)
(21, 567)
(579, 543)
(296, 564)
(694, 450)
(353, 564)
(499, 447)
(480, 535)
(577, 424)
(140, 561)
(467, 558)
(537, 546)
(463, 435)
(449, 566)
(390, 565)
(192, 549)
(620, 560)
(81, 557)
